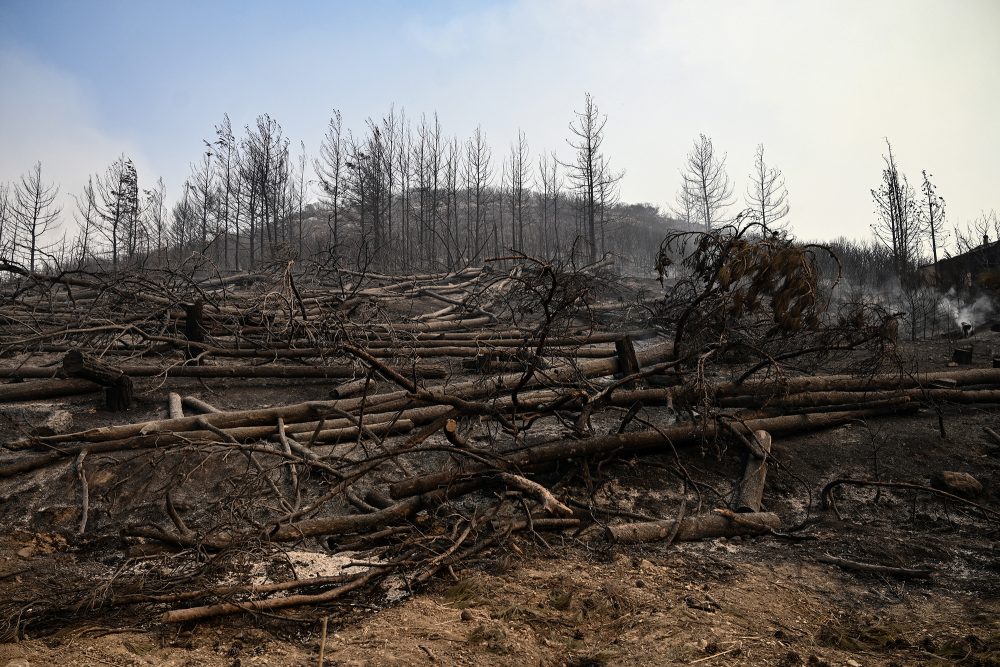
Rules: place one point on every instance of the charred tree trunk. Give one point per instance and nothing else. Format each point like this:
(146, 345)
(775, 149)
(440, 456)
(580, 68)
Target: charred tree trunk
(750, 495)
(194, 327)
(45, 389)
(117, 385)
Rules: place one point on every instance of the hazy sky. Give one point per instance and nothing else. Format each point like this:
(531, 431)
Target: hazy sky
(821, 84)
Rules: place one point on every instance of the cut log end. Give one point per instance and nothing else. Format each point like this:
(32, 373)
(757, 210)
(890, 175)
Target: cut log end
(453, 436)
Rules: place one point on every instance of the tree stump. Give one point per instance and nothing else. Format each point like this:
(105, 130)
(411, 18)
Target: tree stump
(118, 392)
(194, 327)
(962, 356)
(627, 362)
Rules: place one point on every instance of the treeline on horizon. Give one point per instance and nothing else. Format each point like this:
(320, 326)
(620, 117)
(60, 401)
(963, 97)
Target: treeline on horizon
(398, 195)
(401, 195)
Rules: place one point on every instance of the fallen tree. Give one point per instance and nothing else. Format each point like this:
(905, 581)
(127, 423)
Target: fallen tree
(628, 443)
(398, 475)
(692, 528)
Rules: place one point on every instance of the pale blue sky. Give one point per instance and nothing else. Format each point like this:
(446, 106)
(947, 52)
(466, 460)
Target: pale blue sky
(820, 83)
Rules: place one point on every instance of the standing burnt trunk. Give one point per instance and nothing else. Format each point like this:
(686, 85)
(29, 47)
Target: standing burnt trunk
(962, 356)
(194, 327)
(627, 362)
(117, 385)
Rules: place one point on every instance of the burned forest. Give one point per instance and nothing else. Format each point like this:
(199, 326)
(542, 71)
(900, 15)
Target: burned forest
(306, 440)
(399, 394)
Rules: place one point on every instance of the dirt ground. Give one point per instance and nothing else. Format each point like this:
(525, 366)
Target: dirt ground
(549, 600)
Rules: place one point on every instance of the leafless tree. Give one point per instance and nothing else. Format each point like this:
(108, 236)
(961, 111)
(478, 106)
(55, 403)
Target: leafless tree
(118, 206)
(452, 240)
(428, 159)
(932, 212)
(498, 214)
(154, 209)
(404, 177)
(684, 207)
(607, 198)
(706, 184)
(227, 159)
(550, 182)
(369, 187)
(517, 170)
(478, 182)
(264, 172)
(6, 222)
(767, 195)
(590, 172)
(897, 223)
(329, 168)
(35, 213)
(203, 192)
(301, 185)
(390, 144)
(87, 220)
(981, 231)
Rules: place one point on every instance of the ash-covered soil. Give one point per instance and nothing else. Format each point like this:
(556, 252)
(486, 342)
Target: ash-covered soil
(553, 600)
